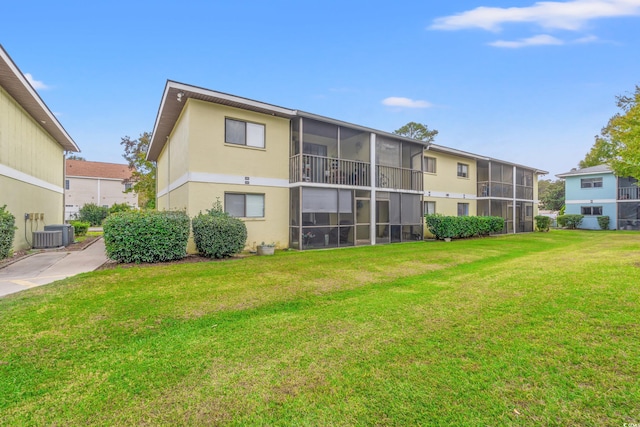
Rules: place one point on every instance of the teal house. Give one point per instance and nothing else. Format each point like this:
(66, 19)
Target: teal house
(597, 191)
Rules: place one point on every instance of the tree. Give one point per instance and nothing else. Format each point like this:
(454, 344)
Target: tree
(618, 144)
(417, 131)
(75, 157)
(143, 178)
(551, 194)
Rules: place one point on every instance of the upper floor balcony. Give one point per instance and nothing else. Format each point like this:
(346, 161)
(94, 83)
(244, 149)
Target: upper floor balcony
(628, 193)
(329, 170)
(504, 190)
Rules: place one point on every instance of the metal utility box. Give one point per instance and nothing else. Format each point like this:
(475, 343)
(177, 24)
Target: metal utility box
(47, 239)
(66, 230)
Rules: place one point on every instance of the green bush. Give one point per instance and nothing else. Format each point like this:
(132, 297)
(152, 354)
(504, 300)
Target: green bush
(146, 236)
(7, 232)
(79, 228)
(570, 221)
(217, 234)
(119, 207)
(603, 222)
(443, 227)
(93, 214)
(542, 223)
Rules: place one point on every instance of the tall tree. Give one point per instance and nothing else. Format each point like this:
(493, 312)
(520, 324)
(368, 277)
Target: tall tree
(618, 144)
(143, 178)
(417, 131)
(551, 194)
(75, 157)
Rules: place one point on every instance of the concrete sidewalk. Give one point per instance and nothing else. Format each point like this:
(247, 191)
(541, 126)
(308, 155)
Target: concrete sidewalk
(46, 267)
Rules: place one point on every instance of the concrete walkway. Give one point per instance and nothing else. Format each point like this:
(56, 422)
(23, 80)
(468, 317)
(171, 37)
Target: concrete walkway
(46, 267)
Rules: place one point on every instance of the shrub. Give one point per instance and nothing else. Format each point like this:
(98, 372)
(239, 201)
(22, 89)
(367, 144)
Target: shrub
(146, 236)
(93, 214)
(570, 221)
(217, 234)
(79, 228)
(443, 227)
(7, 232)
(603, 222)
(561, 211)
(542, 223)
(119, 207)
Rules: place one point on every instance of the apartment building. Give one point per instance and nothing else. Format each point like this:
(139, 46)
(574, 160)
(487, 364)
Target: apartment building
(306, 181)
(596, 191)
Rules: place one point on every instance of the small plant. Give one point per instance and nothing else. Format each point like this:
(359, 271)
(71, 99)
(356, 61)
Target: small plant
(570, 221)
(7, 232)
(603, 222)
(80, 228)
(542, 223)
(268, 245)
(93, 214)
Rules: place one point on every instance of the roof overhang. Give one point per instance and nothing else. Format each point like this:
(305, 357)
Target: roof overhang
(174, 99)
(13, 81)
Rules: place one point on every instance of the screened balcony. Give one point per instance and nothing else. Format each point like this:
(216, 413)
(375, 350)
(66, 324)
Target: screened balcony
(628, 189)
(328, 170)
(399, 178)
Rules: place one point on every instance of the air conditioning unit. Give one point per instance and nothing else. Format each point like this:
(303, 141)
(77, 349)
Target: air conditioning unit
(66, 230)
(47, 239)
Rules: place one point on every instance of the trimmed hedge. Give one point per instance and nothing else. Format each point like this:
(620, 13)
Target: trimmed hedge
(7, 232)
(146, 236)
(570, 221)
(603, 222)
(542, 223)
(460, 227)
(93, 214)
(217, 234)
(79, 228)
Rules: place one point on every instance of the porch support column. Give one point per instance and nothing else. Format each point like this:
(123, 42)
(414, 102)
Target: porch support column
(514, 210)
(372, 178)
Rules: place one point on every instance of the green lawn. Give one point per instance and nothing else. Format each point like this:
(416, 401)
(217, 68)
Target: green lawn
(534, 329)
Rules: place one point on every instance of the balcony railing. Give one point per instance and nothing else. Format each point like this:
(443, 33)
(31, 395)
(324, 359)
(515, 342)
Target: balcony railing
(628, 193)
(399, 178)
(496, 189)
(328, 170)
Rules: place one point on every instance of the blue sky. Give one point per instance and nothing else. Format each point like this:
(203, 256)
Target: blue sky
(523, 81)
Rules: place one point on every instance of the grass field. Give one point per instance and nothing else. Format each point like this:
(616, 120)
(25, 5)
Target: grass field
(533, 329)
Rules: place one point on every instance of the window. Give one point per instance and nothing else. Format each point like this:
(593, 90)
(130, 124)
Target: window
(463, 170)
(66, 184)
(244, 205)
(430, 164)
(463, 209)
(243, 133)
(591, 210)
(127, 186)
(429, 208)
(591, 183)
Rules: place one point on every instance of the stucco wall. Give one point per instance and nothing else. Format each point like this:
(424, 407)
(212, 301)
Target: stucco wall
(101, 191)
(447, 189)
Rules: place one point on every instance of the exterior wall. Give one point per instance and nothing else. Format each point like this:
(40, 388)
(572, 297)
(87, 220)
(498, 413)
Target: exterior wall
(605, 196)
(196, 166)
(31, 170)
(447, 189)
(101, 191)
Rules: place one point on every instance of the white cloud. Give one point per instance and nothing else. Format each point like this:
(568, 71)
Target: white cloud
(37, 84)
(570, 15)
(540, 40)
(395, 101)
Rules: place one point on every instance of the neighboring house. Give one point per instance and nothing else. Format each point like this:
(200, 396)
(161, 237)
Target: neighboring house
(597, 191)
(96, 182)
(32, 152)
(306, 181)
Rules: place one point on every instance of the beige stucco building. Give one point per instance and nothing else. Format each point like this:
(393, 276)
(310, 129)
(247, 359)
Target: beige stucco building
(305, 181)
(32, 151)
(96, 182)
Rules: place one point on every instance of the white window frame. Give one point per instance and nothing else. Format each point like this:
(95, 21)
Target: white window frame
(430, 160)
(591, 182)
(466, 209)
(428, 203)
(463, 170)
(245, 212)
(254, 134)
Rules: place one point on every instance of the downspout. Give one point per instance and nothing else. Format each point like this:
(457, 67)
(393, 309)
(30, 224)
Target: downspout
(372, 177)
(64, 185)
